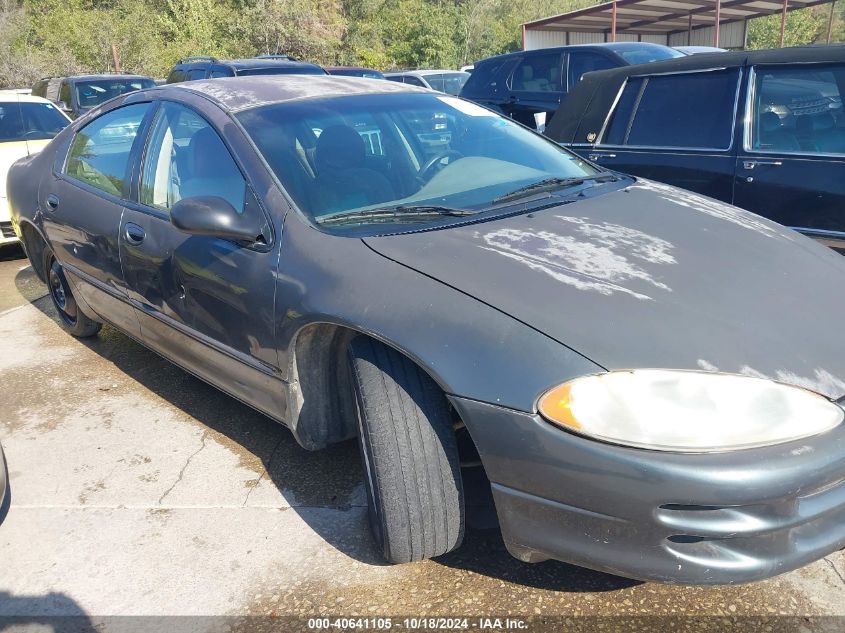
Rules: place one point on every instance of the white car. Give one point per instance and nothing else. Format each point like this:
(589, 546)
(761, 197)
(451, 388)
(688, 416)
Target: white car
(27, 124)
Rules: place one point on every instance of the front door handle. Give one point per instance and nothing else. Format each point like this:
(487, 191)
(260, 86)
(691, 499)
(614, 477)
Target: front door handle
(52, 202)
(751, 164)
(134, 234)
(597, 157)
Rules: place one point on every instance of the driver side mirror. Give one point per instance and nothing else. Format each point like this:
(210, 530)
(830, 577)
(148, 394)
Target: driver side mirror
(215, 217)
(63, 106)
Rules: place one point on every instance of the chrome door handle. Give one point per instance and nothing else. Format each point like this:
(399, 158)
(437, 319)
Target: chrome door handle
(597, 157)
(751, 164)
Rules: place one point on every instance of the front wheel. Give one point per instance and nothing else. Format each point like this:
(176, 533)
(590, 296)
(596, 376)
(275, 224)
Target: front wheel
(71, 318)
(410, 456)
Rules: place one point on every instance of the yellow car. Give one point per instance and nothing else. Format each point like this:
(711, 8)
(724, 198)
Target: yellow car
(27, 124)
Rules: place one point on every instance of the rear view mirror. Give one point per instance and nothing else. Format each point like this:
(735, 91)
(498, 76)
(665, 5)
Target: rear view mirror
(215, 217)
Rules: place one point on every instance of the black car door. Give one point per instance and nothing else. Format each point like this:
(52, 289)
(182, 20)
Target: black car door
(206, 303)
(83, 204)
(535, 88)
(674, 128)
(791, 165)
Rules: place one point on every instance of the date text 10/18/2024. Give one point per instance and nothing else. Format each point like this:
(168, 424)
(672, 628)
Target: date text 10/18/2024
(418, 624)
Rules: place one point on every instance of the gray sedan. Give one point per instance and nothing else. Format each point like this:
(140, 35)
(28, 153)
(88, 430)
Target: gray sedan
(650, 379)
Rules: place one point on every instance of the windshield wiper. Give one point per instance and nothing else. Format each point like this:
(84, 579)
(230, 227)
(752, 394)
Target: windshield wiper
(401, 211)
(549, 184)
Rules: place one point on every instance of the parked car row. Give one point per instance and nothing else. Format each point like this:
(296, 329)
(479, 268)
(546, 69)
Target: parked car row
(632, 364)
(764, 130)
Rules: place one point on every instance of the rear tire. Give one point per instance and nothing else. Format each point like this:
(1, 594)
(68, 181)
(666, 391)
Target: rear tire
(71, 318)
(410, 456)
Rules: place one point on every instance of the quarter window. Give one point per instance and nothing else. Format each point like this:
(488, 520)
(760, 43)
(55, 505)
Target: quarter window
(99, 154)
(538, 73)
(690, 110)
(187, 158)
(799, 109)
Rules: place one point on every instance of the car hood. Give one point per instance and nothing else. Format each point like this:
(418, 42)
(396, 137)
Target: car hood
(652, 276)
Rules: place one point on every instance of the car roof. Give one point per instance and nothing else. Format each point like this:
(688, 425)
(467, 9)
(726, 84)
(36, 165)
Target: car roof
(242, 93)
(244, 64)
(7, 96)
(584, 110)
(568, 47)
(423, 73)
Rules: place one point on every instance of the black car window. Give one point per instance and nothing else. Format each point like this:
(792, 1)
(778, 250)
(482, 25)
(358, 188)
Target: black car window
(414, 81)
(99, 153)
(538, 73)
(187, 158)
(175, 76)
(64, 94)
(221, 72)
(693, 110)
(90, 94)
(581, 62)
(617, 126)
(195, 73)
(27, 120)
(799, 109)
(485, 77)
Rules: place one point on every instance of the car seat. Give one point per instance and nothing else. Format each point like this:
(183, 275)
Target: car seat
(343, 182)
(213, 172)
(818, 133)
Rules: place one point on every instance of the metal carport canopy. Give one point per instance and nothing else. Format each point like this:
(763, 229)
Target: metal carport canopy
(663, 17)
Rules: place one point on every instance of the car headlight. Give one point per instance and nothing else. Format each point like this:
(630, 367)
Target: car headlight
(688, 411)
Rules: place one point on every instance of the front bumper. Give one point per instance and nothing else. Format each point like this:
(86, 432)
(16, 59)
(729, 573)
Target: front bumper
(718, 518)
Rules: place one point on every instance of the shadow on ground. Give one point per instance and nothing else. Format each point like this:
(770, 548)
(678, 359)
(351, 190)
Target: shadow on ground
(325, 479)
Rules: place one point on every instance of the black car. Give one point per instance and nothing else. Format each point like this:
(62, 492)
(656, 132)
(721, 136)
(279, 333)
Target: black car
(632, 365)
(77, 94)
(764, 130)
(528, 86)
(206, 67)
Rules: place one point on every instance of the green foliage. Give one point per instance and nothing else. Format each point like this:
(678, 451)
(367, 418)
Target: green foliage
(803, 26)
(53, 37)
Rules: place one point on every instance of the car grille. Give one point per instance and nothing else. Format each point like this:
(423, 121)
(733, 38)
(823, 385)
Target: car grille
(6, 229)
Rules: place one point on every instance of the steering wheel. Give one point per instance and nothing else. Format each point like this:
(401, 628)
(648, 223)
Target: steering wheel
(432, 165)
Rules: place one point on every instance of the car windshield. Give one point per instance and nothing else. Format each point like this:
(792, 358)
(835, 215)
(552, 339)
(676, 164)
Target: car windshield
(341, 157)
(450, 83)
(292, 69)
(29, 121)
(645, 53)
(90, 94)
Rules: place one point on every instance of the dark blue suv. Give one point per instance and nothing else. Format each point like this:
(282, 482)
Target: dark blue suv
(528, 86)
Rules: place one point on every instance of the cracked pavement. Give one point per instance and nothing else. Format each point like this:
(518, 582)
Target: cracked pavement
(138, 490)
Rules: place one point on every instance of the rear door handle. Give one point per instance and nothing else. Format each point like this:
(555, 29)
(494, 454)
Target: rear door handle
(52, 202)
(597, 157)
(134, 234)
(751, 164)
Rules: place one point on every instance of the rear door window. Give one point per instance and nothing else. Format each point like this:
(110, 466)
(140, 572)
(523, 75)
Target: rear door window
(538, 73)
(688, 110)
(798, 109)
(582, 62)
(99, 153)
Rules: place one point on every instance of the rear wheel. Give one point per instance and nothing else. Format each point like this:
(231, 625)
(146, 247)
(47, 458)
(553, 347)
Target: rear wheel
(71, 318)
(410, 456)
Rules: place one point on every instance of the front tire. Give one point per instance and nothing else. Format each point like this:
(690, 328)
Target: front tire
(410, 456)
(71, 318)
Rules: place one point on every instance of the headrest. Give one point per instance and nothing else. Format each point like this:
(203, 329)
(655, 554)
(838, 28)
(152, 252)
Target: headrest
(339, 147)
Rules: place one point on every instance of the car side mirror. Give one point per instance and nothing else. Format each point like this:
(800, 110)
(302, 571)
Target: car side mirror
(215, 217)
(63, 106)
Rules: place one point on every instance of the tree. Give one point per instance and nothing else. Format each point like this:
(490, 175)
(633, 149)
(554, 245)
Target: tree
(803, 26)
